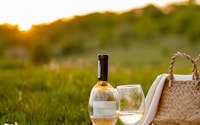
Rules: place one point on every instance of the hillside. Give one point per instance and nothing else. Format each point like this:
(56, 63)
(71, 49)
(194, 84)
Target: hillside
(170, 29)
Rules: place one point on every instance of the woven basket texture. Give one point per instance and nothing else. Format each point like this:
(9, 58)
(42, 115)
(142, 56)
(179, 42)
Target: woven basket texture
(179, 104)
(180, 100)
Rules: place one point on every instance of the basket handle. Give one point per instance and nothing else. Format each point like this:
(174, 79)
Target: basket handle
(194, 65)
(197, 59)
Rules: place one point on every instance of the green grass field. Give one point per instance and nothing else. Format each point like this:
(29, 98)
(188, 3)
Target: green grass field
(58, 95)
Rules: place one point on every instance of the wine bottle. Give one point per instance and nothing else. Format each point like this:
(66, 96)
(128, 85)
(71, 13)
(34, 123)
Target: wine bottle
(103, 101)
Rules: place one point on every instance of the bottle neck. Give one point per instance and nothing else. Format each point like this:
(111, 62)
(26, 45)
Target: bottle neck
(103, 69)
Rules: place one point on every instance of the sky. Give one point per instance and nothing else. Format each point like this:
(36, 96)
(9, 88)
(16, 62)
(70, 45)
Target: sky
(26, 13)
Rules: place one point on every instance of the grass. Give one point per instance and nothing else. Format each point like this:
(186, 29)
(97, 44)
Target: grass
(37, 96)
(41, 95)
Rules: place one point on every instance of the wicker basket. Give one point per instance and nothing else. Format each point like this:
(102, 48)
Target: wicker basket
(197, 59)
(180, 100)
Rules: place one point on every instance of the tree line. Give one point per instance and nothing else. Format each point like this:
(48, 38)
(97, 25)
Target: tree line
(99, 30)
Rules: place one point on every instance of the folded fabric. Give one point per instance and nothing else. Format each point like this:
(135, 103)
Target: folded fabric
(153, 96)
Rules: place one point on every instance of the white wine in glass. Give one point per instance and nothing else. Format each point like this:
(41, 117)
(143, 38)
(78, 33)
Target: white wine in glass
(131, 100)
(103, 104)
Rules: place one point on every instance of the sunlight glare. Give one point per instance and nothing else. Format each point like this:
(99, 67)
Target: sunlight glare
(32, 12)
(24, 26)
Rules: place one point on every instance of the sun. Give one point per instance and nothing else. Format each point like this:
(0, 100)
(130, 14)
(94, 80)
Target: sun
(24, 26)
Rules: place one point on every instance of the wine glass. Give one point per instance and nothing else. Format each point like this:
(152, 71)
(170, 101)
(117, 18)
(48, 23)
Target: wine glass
(132, 105)
(103, 106)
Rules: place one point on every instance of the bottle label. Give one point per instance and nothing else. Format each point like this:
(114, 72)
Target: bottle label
(104, 109)
(99, 72)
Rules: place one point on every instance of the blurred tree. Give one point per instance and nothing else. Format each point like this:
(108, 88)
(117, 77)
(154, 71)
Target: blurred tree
(41, 51)
(76, 35)
(152, 11)
(72, 45)
(192, 2)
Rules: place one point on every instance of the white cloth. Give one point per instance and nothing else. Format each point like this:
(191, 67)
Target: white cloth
(153, 96)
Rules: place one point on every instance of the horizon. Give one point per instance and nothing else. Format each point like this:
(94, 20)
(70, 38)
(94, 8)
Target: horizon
(44, 14)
